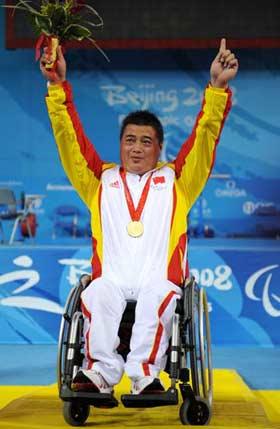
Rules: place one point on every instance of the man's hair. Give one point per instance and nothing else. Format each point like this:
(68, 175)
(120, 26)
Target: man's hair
(143, 117)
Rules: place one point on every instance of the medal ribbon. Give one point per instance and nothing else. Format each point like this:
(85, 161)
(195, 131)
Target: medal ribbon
(135, 213)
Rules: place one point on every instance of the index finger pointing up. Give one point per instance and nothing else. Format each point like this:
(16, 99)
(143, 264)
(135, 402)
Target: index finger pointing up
(222, 45)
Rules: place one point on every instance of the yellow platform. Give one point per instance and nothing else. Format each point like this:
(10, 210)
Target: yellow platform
(235, 406)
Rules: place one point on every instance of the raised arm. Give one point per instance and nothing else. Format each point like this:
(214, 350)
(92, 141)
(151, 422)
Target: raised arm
(196, 157)
(79, 158)
(224, 67)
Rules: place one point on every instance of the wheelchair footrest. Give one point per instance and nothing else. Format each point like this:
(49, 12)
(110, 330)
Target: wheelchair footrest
(99, 400)
(170, 397)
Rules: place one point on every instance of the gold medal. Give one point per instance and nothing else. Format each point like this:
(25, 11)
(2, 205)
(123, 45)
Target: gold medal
(135, 228)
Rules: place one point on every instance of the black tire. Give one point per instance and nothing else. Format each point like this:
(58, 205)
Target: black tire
(200, 354)
(206, 370)
(63, 337)
(72, 305)
(195, 412)
(193, 337)
(75, 413)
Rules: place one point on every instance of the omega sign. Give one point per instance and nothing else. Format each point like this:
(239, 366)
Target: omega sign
(230, 191)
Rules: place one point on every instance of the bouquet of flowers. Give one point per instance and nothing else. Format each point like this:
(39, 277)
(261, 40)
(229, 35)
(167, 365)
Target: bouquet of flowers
(57, 21)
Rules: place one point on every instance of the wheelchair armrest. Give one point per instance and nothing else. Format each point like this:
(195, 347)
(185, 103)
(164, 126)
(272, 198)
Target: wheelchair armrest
(130, 304)
(188, 282)
(85, 280)
(183, 304)
(179, 306)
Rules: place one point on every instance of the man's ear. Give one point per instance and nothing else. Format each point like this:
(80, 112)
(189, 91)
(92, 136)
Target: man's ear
(161, 145)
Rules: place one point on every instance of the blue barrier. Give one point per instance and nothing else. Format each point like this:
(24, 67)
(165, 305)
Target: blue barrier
(242, 283)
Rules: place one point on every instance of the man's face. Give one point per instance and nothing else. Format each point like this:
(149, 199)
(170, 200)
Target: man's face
(140, 148)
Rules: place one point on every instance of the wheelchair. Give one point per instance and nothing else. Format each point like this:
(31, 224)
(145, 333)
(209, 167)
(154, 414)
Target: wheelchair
(189, 362)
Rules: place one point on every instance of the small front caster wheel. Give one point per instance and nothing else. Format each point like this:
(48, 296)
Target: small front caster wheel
(75, 413)
(195, 412)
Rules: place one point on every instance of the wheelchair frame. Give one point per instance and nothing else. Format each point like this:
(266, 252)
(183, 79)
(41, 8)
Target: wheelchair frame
(189, 360)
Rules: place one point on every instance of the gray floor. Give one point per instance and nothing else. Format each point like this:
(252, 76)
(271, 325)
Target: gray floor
(36, 364)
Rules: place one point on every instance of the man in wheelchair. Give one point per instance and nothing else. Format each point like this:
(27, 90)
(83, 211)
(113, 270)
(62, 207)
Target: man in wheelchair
(149, 340)
(139, 221)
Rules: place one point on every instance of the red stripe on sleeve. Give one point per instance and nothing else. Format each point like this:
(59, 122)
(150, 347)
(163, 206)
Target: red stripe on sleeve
(187, 146)
(88, 151)
(174, 206)
(226, 111)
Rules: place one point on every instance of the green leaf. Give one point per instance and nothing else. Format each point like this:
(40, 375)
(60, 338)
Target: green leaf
(28, 8)
(98, 48)
(9, 6)
(43, 24)
(15, 7)
(87, 6)
(22, 5)
(92, 24)
(68, 4)
(76, 31)
(58, 18)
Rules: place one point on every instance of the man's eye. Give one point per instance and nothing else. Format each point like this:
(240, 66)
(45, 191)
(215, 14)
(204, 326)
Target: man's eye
(147, 142)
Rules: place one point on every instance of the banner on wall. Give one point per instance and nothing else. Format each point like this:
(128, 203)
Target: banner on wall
(242, 288)
(241, 199)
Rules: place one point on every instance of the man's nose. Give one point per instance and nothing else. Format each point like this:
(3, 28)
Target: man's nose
(137, 147)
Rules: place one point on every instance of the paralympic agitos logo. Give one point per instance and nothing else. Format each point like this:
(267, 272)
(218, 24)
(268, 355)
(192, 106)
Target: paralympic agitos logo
(259, 288)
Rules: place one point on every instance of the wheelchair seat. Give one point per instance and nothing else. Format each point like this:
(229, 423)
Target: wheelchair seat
(188, 359)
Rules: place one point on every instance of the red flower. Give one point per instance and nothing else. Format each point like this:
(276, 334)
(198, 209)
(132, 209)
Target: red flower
(78, 6)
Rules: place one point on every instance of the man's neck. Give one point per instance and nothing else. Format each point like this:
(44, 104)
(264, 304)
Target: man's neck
(141, 173)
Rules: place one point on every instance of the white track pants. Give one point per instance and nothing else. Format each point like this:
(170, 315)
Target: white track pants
(103, 304)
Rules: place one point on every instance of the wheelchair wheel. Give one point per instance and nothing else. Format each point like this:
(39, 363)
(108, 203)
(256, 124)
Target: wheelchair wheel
(75, 413)
(200, 341)
(205, 347)
(72, 305)
(195, 412)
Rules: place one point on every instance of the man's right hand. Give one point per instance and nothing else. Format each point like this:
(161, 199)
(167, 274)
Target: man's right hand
(57, 76)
